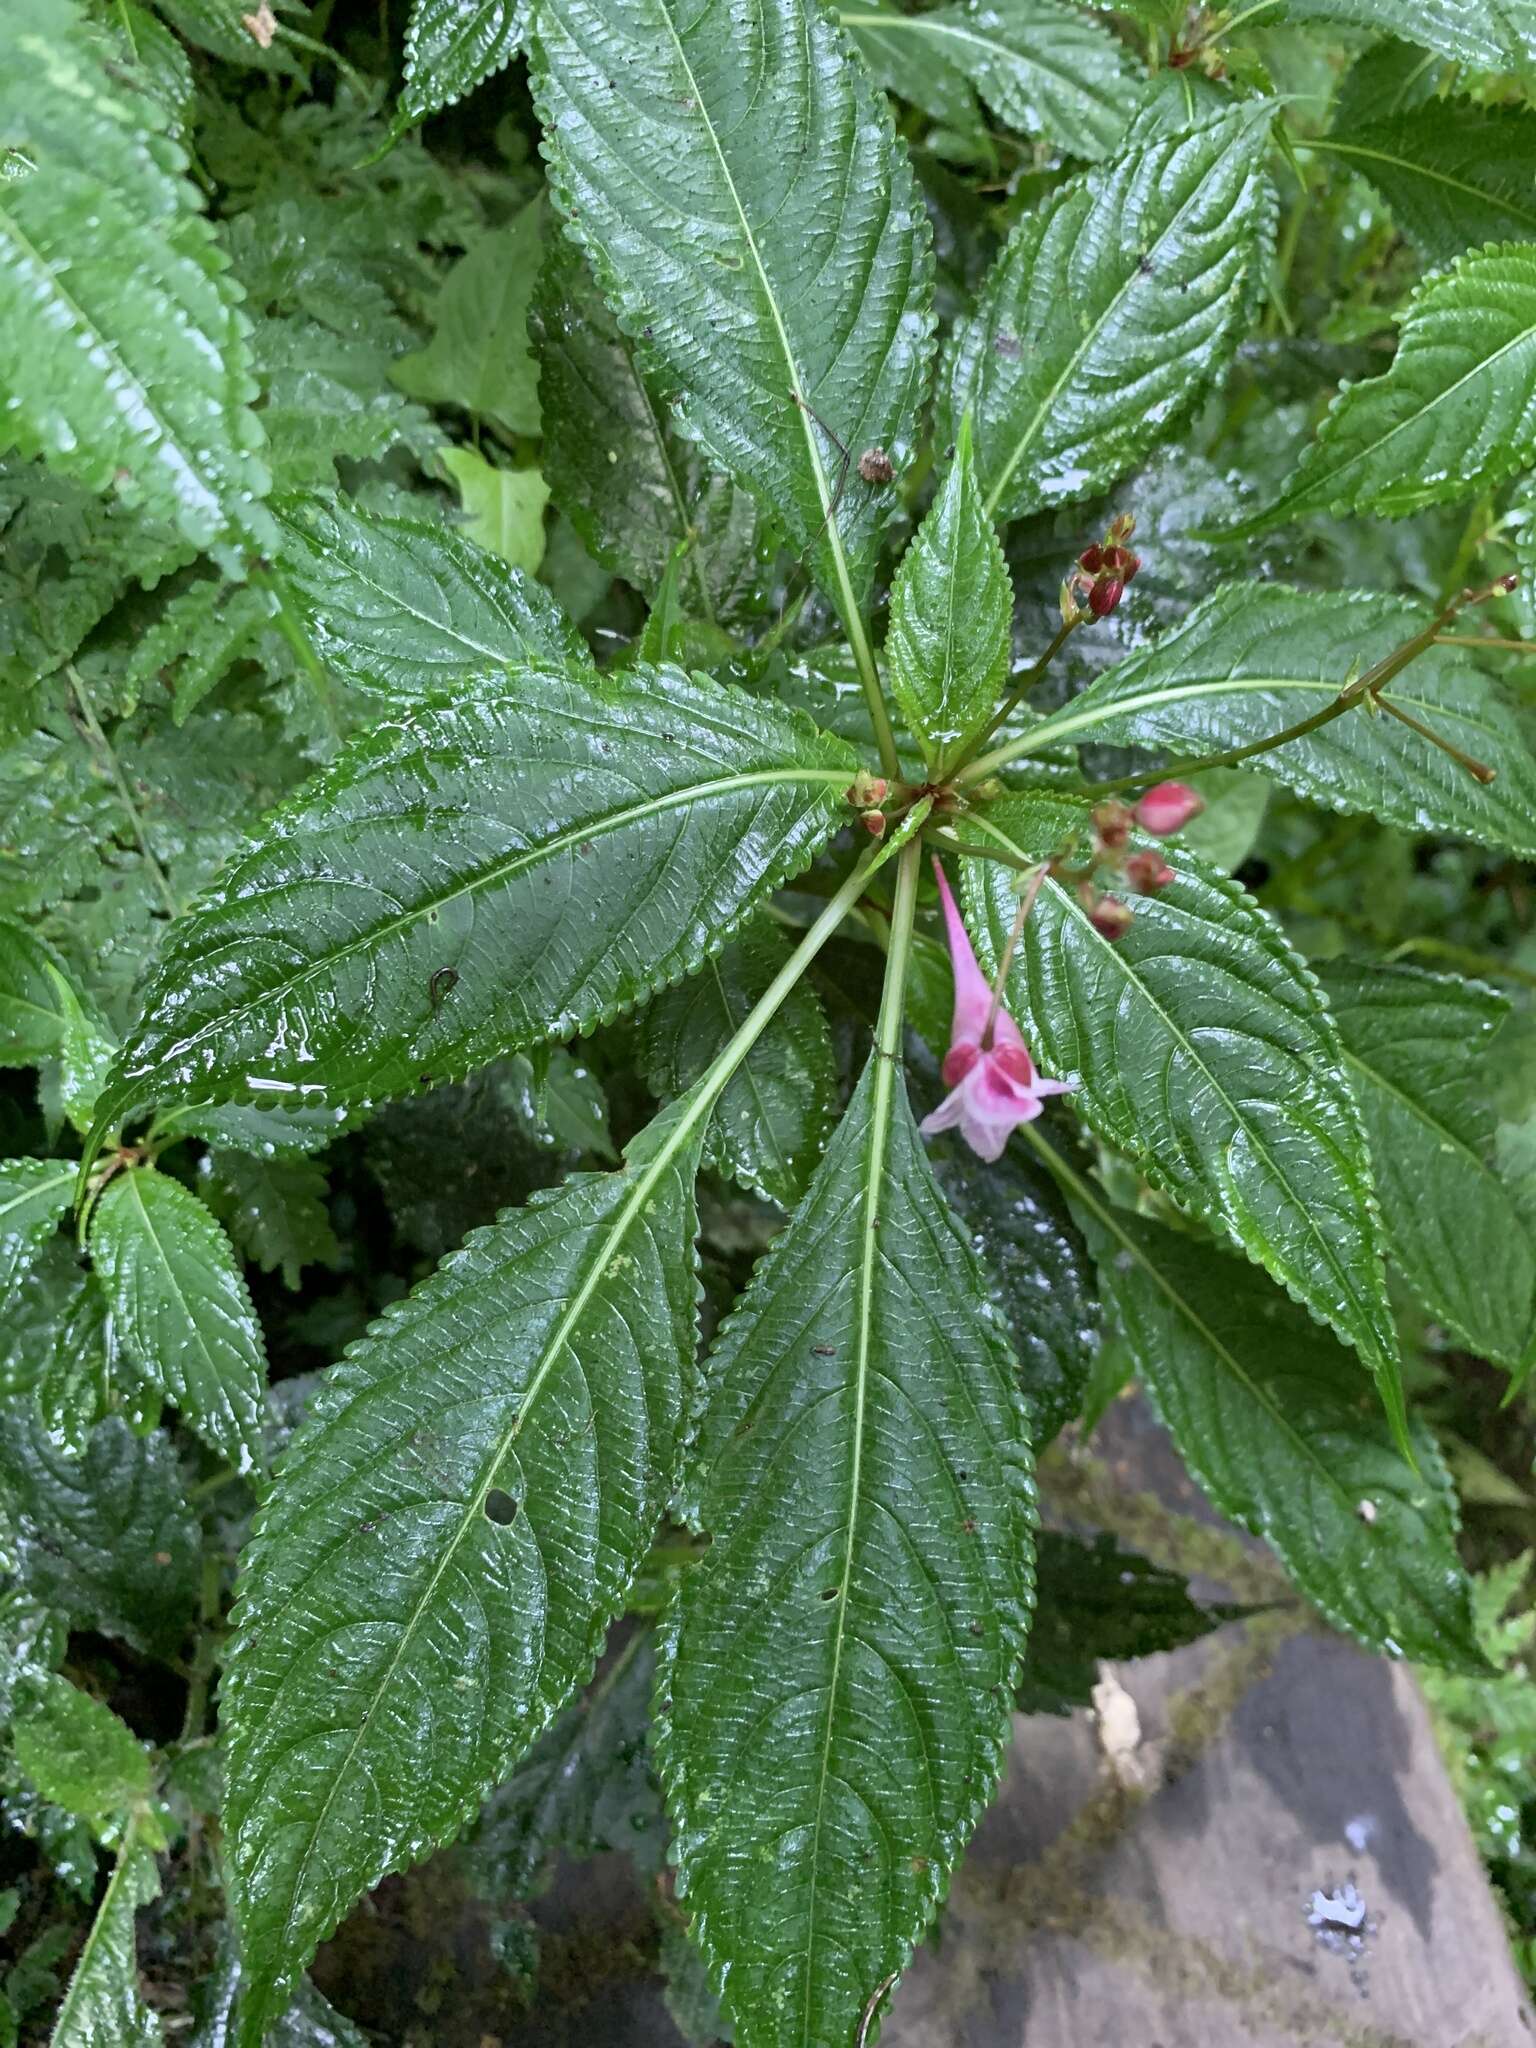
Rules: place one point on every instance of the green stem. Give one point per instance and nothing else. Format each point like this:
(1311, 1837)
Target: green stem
(294, 633)
(965, 849)
(1485, 640)
(898, 954)
(1012, 700)
(104, 748)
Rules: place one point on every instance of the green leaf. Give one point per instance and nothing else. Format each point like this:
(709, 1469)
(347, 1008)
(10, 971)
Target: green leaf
(451, 46)
(404, 609)
(121, 347)
(571, 1103)
(1038, 1274)
(76, 1751)
(1113, 307)
(1488, 35)
(773, 1120)
(103, 2007)
(838, 1672)
(1198, 1043)
(217, 26)
(1095, 1602)
(199, 633)
(1456, 175)
(86, 1051)
(1455, 413)
(34, 1196)
(1257, 657)
(919, 65)
(1266, 1413)
(107, 1537)
(74, 1387)
(479, 357)
(181, 1310)
(589, 838)
(32, 1023)
(1042, 68)
(275, 1211)
(452, 1531)
(757, 229)
(949, 639)
(1414, 1043)
(503, 508)
(633, 487)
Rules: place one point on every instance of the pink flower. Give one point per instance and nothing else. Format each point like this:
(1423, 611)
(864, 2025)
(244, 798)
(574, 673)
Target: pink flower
(992, 1085)
(1168, 808)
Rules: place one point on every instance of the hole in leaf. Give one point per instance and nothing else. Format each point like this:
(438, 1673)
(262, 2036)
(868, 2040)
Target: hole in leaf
(830, 1593)
(500, 1507)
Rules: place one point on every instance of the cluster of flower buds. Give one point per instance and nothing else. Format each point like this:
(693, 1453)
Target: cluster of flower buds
(1103, 570)
(867, 793)
(1163, 810)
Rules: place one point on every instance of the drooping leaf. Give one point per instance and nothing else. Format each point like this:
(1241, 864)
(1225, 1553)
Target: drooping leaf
(1456, 175)
(275, 1211)
(1454, 414)
(403, 608)
(1258, 657)
(837, 1675)
(1042, 68)
(1111, 309)
(31, 1021)
(759, 234)
(772, 1122)
(103, 2006)
(580, 1788)
(1488, 35)
(34, 1195)
(181, 1310)
(452, 1531)
(451, 46)
(1039, 1274)
(633, 487)
(86, 1050)
(1198, 1043)
(949, 639)
(76, 1751)
(588, 839)
(108, 1538)
(1096, 1602)
(1415, 1043)
(479, 357)
(1266, 1411)
(121, 348)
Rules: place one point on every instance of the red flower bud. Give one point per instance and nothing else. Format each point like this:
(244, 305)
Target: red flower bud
(1132, 564)
(874, 823)
(1168, 808)
(1148, 872)
(1091, 559)
(1111, 918)
(1121, 527)
(1105, 595)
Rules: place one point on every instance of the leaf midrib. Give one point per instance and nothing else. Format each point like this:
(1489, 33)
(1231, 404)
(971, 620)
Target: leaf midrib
(1481, 194)
(1071, 908)
(936, 25)
(492, 877)
(63, 1178)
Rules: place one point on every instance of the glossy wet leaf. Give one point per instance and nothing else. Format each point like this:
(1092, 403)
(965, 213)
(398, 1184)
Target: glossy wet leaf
(75, 1386)
(108, 1538)
(32, 1016)
(587, 840)
(451, 46)
(181, 1309)
(1199, 1044)
(1268, 1414)
(771, 1124)
(452, 1530)
(632, 486)
(1488, 35)
(202, 629)
(103, 2006)
(835, 1690)
(1113, 306)
(478, 357)
(275, 1211)
(122, 351)
(76, 1751)
(1456, 175)
(1454, 414)
(1255, 658)
(403, 607)
(34, 1196)
(949, 641)
(1043, 69)
(759, 235)
(1417, 1051)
